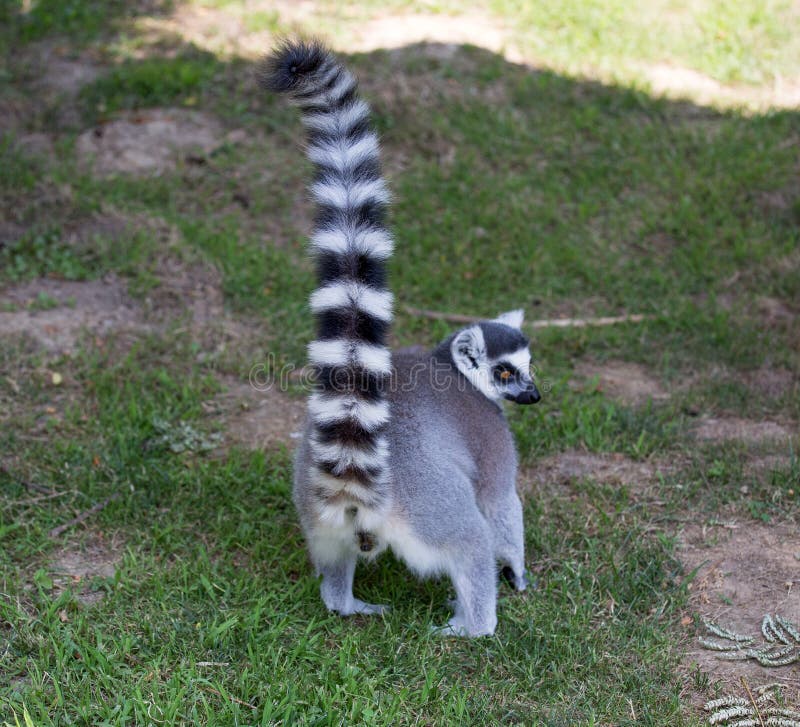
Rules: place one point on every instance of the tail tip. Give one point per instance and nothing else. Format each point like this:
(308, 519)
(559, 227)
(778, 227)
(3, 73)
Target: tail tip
(290, 64)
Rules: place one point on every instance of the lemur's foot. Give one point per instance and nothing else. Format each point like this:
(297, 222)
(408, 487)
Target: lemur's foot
(517, 582)
(360, 607)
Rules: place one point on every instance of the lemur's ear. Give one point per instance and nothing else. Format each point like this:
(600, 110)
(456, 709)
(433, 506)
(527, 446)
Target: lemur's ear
(468, 349)
(512, 318)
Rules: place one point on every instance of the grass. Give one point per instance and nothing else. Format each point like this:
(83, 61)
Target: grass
(151, 82)
(749, 42)
(513, 187)
(181, 604)
(199, 547)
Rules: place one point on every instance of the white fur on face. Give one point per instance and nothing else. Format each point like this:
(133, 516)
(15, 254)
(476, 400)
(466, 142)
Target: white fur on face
(469, 344)
(520, 359)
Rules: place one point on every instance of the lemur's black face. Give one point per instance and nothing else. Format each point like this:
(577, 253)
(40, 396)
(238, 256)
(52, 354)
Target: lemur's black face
(515, 384)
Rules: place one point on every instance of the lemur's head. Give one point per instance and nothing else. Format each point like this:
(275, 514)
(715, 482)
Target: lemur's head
(494, 356)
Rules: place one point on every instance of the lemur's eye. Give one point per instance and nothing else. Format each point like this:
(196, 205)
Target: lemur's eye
(503, 374)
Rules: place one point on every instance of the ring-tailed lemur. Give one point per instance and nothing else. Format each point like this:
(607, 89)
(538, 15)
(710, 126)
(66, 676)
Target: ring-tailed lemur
(410, 452)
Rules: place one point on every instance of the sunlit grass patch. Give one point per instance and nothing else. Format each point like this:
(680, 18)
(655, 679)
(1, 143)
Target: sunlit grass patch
(152, 82)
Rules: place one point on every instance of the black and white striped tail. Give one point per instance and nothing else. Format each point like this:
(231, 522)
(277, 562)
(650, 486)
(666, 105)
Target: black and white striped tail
(352, 305)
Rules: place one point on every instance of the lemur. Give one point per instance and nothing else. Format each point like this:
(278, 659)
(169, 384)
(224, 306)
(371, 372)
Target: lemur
(408, 452)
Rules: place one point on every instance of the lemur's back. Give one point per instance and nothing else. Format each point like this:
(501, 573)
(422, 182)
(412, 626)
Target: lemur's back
(437, 434)
(441, 424)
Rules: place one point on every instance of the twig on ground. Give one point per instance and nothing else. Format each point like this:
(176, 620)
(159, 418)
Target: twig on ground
(55, 532)
(542, 323)
(30, 485)
(229, 696)
(761, 711)
(51, 496)
(752, 701)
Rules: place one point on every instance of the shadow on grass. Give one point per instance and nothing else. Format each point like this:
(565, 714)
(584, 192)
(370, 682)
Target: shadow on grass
(80, 20)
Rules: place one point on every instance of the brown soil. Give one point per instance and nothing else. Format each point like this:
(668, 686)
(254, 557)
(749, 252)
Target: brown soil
(148, 142)
(771, 382)
(769, 311)
(187, 291)
(74, 567)
(762, 467)
(57, 69)
(567, 467)
(36, 144)
(195, 289)
(744, 571)
(775, 311)
(220, 30)
(97, 306)
(731, 428)
(260, 419)
(66, 76)
(630, 383)
(680, 82)
(190, 297)
(446, 31)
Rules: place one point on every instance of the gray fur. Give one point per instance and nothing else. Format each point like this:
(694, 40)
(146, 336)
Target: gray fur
(455, 508)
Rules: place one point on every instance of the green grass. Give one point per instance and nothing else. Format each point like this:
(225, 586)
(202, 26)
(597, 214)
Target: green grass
(513, 187)
(749, 42)
(82, 20)
(152, 82)
(213, 570)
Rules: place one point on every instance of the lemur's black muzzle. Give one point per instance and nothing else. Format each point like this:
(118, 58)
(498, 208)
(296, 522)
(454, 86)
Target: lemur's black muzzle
(522, 392)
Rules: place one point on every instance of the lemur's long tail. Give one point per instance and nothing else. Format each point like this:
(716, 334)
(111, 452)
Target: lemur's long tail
(352, 305)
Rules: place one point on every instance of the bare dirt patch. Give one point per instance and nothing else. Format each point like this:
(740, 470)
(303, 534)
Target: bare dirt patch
(771, 382)
(554, 475)
(447, 31)
(606, 468)
(64, 75)
(681, 82)
(630, 383)
(744, 571)
(769, 311)
(36, 144)
(260, 419)
(230, 30)
(74, 567)
(732, 428)
(97, 306)
(195, 289)
(221, 30)
(51, 75)
(190, 298)
(763, 467)
(774, 310)
(148, 142)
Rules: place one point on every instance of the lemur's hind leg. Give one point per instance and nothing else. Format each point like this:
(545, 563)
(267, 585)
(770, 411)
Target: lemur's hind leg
(474, 577)
(337, 585)
(509, 541)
